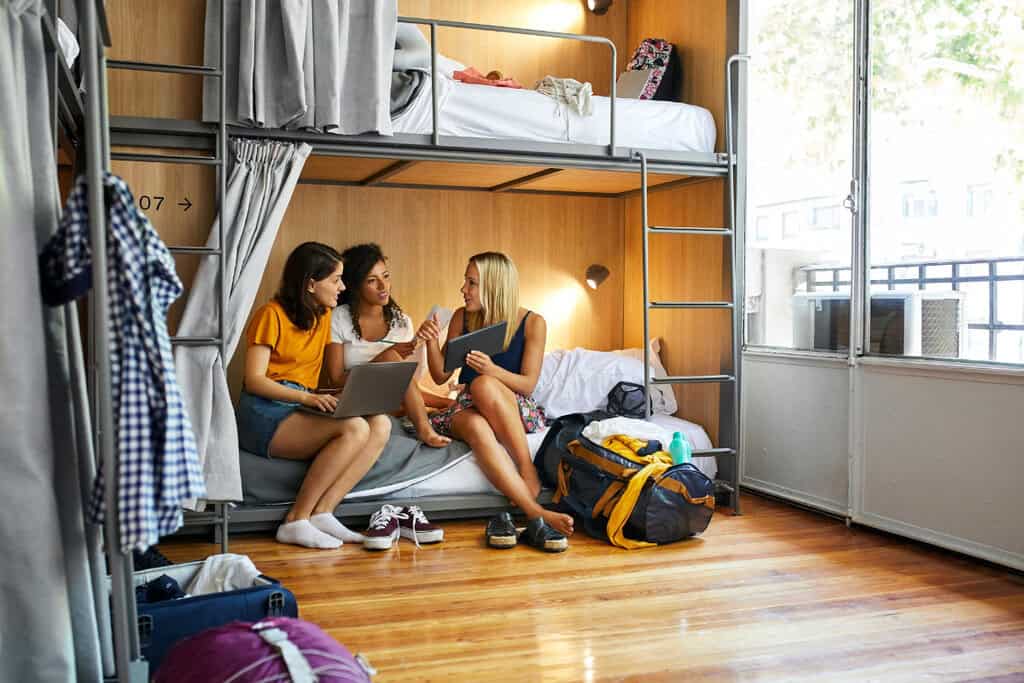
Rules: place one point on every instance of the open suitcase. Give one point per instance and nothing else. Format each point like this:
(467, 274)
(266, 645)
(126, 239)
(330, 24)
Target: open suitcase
(161, 624)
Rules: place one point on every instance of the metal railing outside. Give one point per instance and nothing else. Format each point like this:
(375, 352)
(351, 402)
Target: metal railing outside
(929, 274)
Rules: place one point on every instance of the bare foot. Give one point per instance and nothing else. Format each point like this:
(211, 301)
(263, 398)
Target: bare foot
(559, 522)
(428, 436)
(529, 474)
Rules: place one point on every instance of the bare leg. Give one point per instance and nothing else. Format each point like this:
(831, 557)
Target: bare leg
(379, 431)
(416, 409)
(333, 444)
(471, 427)
(498, 405)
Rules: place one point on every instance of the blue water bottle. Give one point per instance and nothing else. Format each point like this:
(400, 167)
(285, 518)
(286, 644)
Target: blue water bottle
(680, 449)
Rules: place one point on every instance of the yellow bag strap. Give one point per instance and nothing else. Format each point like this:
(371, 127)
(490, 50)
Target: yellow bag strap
(564, 470)
(654, 465)
(624, 508)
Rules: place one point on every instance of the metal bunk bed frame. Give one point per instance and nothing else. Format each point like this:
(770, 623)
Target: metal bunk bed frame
(406, 148)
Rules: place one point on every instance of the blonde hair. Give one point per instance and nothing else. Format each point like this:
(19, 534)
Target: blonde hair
(499, 293)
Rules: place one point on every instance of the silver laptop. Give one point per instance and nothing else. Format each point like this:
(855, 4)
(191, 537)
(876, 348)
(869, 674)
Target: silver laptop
(372, 389)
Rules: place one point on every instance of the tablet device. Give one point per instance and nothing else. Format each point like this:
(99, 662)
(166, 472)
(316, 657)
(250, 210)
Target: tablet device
(372, 389)
(489, 340)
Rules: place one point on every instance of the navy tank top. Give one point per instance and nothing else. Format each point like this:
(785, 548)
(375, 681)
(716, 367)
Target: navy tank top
(511, 358)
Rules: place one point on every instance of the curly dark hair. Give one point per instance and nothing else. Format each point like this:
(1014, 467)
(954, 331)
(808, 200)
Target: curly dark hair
(359, 261)
(308, 261)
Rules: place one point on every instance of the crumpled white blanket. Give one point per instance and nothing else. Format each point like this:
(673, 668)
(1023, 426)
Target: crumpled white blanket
(225, 572)
(577, 95)
(599, 430)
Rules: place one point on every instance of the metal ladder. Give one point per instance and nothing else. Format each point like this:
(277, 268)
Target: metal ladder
(735, 305)
(221, 513)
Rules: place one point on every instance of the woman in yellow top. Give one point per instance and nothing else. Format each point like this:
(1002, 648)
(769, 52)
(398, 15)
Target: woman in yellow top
(286, 340)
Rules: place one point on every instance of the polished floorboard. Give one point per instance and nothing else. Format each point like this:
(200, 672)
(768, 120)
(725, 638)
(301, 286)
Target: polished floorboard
(776, 594)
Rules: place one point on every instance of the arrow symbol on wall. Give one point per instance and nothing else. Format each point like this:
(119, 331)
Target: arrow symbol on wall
(187, 204)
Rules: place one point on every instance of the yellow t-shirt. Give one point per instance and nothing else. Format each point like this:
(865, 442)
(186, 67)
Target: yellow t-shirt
(295, 355)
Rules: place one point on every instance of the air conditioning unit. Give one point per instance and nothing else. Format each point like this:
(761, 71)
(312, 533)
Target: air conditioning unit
(919, 323)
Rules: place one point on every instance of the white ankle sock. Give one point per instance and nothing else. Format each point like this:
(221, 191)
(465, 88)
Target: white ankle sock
(329, 524)
(302, 532)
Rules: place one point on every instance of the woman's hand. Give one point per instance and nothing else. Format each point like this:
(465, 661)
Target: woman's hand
(482, 363)
(404, 349)
(429, 330)
(325, 402)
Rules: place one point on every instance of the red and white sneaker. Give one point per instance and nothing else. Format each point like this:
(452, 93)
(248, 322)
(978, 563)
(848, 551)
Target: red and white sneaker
(414, 525)
(383, 530)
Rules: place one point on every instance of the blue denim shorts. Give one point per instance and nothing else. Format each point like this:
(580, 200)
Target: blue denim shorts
(258, 419)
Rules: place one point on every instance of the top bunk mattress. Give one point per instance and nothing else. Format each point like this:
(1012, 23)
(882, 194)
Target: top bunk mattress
(483, 111)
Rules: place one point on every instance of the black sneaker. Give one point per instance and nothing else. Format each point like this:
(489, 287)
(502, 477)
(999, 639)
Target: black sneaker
(501, 532)
(542, 537)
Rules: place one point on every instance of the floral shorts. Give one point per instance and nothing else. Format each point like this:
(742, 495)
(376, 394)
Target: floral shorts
(531, 414)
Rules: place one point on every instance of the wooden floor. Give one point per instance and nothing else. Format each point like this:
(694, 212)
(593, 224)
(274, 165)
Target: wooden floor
(775, 594)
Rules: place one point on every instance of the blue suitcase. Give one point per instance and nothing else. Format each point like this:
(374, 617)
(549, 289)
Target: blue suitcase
(161, 624)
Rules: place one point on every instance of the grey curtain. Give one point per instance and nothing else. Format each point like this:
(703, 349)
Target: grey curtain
(48, 624)
(317, 64)
(259, 189)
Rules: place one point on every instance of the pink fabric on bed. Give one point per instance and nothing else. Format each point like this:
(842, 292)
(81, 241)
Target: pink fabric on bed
(471, 75)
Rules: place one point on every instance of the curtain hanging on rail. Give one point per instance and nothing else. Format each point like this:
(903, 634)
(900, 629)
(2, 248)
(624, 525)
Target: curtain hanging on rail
(259, 189)
(317, 64)
(48, 591)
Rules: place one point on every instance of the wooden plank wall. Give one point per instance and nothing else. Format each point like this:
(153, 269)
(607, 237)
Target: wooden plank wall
(682, 268)
(429, 235)
(685, 268)
(698, 30)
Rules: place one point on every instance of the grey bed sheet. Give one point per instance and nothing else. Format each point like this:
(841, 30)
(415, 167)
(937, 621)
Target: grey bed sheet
(405, 460)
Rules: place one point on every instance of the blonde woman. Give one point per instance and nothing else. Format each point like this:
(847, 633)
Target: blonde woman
(494, 408)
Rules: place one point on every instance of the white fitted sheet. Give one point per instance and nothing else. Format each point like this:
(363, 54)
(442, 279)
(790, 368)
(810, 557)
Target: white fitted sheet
(465, 477)
(482, 111)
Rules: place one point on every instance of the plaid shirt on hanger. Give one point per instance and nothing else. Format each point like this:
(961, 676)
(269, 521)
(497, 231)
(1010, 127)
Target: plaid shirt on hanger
(158, 462)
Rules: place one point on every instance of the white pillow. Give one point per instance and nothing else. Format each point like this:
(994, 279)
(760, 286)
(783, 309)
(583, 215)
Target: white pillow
(579, 380)
(662, 394)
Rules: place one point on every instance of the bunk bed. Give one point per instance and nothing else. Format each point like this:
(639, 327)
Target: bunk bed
(533, 166)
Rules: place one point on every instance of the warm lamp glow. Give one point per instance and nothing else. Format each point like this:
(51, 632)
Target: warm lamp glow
(564, 15)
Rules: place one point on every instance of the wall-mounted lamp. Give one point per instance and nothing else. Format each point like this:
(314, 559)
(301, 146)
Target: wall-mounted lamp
(596, 274)
(599, 6)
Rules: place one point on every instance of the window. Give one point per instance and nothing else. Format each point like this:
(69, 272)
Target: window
(919, 200)
(790, 224)
(979, 201)
(949, 115)
(945, 183)
(825, 218)
(800, 140)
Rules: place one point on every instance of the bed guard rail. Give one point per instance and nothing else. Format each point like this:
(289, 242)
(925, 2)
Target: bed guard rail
(434, 23)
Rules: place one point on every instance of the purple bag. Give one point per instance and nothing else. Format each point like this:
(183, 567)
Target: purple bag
(242, 652)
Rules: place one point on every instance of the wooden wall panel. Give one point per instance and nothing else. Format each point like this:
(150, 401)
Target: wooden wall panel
(152, 31)
(698, 29)
(428, 235)
(682, 268)
(172, 32)
(177, 225)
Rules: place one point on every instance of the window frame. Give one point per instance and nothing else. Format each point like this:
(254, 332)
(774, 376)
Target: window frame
(860, 280)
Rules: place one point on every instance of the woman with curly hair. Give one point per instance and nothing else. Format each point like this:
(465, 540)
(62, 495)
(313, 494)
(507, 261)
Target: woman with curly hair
(369, 326)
